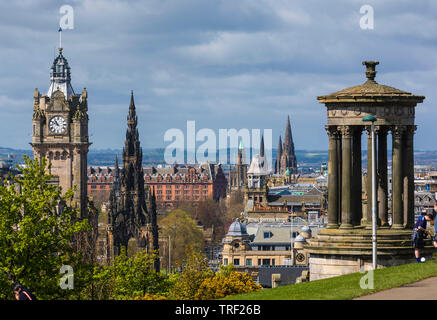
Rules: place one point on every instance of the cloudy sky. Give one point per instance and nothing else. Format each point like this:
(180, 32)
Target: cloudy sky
(223, 63)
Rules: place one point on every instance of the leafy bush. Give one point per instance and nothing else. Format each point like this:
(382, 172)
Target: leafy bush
(225, 283)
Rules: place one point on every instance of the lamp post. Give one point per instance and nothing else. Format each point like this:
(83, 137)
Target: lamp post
(374, 202)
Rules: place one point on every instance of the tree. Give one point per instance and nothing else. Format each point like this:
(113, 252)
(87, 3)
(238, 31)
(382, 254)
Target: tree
(235, 206)
(209, 213)
(130, 278)
(194, 273)
(36, 234)
(183, 232)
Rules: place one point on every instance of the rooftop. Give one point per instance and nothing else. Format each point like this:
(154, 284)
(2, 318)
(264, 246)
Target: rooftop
(369, 90)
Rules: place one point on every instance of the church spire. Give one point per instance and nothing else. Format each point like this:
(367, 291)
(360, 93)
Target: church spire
(60, 75)
(288, 138)
(132, 144)
(278, 156)
(116, 170)
(132, 119)
(261, 149)
(288, 155)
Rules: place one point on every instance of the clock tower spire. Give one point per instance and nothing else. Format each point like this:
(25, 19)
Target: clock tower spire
(60, 132)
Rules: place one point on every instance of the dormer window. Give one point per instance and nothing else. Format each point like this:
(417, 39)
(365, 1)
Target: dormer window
(268, 235)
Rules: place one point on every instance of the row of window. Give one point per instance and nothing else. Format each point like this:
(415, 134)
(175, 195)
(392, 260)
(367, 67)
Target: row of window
(256, 199)
(261, 262)
(168, 192)
(169, 198)
(271, 248)
(101, 187)
(196, 186)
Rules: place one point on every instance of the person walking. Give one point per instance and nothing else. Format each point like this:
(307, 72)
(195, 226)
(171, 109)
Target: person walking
(434, 214)
(419, 234)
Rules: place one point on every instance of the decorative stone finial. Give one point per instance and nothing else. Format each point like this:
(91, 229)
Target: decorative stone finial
(370, 69)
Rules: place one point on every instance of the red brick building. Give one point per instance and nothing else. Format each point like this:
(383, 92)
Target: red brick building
(186, 183)
(171, 185)
(99, 183)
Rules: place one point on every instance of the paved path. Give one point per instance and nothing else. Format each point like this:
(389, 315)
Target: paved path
(425, 289)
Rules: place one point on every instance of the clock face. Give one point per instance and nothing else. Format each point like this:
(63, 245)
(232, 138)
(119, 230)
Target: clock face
(300, 257)
(57, 124)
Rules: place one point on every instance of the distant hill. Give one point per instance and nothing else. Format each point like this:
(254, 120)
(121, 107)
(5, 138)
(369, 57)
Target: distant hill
(155, 156)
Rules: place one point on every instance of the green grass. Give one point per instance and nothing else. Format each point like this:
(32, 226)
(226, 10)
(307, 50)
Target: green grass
(347, 286)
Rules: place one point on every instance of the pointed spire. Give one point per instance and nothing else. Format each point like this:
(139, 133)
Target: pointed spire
(261, 150)
(288, 140)
(278, 156)
(289, 155)
(60, 75)
(132, 110)
(132, 143)
(240, 145)
(280, 146)
(116, 168)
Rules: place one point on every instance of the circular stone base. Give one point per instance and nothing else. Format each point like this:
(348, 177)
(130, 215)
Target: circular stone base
(335, 252)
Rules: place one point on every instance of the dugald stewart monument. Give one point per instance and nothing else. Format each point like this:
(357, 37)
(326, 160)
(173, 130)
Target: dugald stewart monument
(345, 245)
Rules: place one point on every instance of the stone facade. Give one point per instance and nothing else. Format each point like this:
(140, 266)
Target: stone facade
(60, 134)
(269, 246)
(65, 149)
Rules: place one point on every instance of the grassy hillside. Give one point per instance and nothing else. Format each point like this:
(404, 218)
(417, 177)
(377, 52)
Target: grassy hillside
(347, 286)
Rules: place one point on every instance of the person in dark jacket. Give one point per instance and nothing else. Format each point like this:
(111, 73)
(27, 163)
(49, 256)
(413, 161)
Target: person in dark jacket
(434, 214)
(21, 293)
(419, 234)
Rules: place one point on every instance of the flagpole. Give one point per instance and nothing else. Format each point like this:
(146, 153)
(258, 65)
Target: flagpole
(60, 38)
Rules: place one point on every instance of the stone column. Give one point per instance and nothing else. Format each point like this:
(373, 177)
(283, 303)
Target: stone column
(397, 179)
(346, 178)
(382, 131)
(408, 176)
(333, 178)
(357, 211)
(339, 170)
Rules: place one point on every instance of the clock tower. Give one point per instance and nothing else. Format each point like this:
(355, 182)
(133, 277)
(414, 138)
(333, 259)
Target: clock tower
(60, 132)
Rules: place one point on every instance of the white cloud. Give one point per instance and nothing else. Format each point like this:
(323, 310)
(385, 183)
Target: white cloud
(224, 63)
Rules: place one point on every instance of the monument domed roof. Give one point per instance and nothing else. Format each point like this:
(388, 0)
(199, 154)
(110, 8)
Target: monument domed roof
(370, 87)
(369, 90)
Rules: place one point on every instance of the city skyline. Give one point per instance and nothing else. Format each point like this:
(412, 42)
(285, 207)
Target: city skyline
(222, 64)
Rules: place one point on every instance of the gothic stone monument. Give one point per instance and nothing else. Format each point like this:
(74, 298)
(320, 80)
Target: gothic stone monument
(345, 246)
